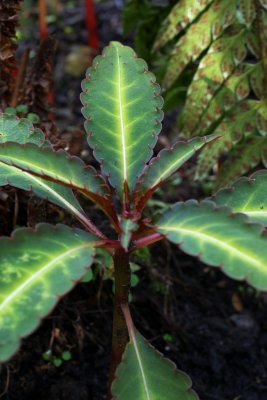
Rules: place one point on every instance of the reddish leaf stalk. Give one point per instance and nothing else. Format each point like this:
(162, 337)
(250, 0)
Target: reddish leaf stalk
(147, 240)
(120, 336)
(42, 19)
(93, 40)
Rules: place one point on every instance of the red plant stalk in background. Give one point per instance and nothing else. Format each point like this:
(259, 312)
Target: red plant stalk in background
(93, 40)
(42, 19)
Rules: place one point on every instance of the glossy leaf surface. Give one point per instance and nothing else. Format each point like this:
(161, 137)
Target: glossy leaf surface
(122, 107)
(247, 195)
(32, 279)
(145, 375)
(57, 194)
(167, 162)
(170, 160)
(58, 166)
(219, 238)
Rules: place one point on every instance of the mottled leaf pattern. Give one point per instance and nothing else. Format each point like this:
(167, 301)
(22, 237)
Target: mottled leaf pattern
(239, 123)
(220, 36)
(219, 238)
(181, 15)
(244, 157)
(199, 36)
(32, 279)
(122, 107)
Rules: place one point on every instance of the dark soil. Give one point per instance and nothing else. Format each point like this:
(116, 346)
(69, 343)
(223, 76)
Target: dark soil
(212, 327)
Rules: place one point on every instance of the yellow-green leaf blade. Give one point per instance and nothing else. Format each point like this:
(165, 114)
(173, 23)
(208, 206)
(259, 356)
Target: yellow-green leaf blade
(219, 238)
(145, 375)
(36, 268)
(123, 111)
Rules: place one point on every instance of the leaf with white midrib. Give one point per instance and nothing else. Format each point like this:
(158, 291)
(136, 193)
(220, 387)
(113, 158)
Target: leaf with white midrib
(32, 279)
(144, 374)
(123, 114)
(58, 166)
(219, 238)
(57, 194)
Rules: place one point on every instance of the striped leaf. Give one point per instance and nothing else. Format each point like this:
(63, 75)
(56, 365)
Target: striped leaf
(122, 107)
(219, 238)
(145, 375)
(247, 195)
(167, 163)
(32, 279)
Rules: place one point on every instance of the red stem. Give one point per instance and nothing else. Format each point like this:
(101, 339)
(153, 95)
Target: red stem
(147, 240)
(93, 40)
(42, 19)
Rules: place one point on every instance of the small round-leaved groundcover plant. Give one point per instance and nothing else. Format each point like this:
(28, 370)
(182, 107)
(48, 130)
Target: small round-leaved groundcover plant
(122, 106)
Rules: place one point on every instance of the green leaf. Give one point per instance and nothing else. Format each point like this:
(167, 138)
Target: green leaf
(13, 129)
(199, 36)
(245, 156)
(219, 238)
(182, 14)
(128, 227)
(22, 131)
(217, 78)
(167, 163)
(32, 279)
(57, 166)
(57, 194)
(145, 375)
(246, 12)
(232, 130)
(247, 195)
(123, 111)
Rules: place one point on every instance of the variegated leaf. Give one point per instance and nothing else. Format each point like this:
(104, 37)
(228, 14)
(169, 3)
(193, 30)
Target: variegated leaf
(243, 158)
(182, 14)
(199, 36)
(122, 107)
(32, 279)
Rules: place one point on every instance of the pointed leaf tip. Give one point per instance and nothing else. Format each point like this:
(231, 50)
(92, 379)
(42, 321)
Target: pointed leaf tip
(122, 107)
